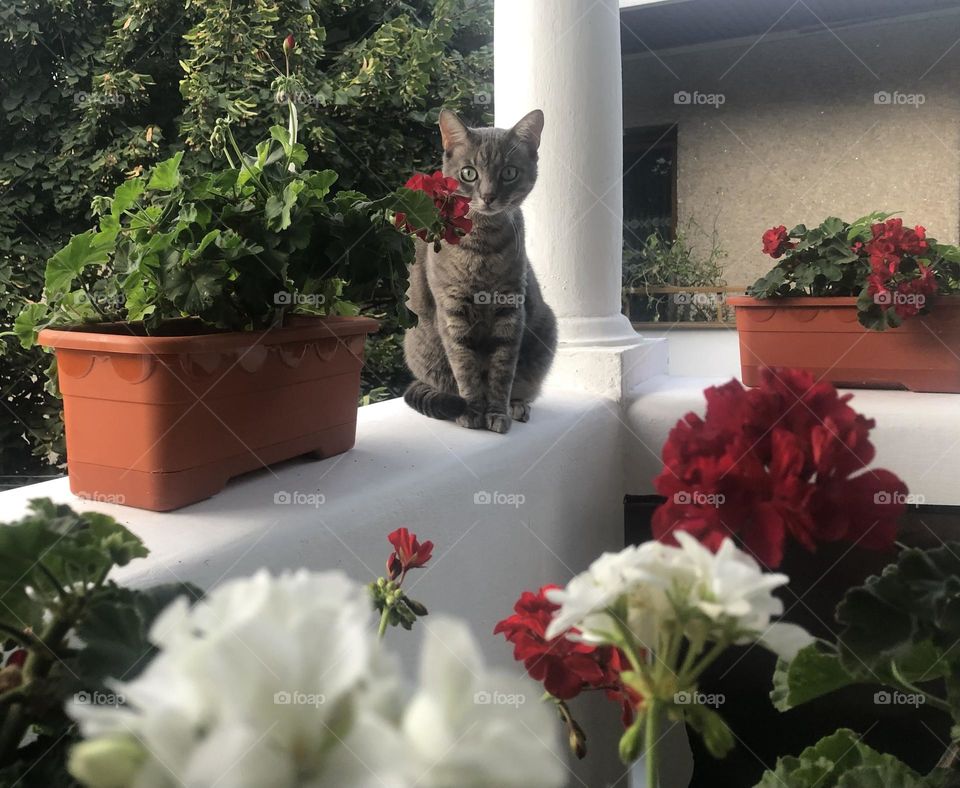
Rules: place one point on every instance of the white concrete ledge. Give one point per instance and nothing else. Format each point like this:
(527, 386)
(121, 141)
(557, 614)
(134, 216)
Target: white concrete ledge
(917, 435)
(563, 469)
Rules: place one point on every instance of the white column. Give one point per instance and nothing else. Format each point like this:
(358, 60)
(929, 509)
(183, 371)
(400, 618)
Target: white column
(563, 56)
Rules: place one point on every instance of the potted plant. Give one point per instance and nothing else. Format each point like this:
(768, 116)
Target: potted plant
(860, 304)
(202, 330)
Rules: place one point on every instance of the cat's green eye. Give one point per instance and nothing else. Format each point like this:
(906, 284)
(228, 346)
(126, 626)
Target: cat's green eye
(468, 174)
(509, 173)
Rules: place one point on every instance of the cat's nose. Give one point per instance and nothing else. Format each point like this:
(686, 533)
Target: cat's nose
(487, 197)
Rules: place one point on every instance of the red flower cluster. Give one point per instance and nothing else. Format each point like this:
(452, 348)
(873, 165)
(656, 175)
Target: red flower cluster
(453, 207)
(407, 554)
(774, 462)
(776, 241)
(891, 243)
(565, 667)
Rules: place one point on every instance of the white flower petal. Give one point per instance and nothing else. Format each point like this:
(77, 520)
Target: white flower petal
(785, 640)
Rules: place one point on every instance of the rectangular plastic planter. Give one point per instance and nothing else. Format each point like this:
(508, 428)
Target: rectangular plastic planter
(822, 335)
(159, 422)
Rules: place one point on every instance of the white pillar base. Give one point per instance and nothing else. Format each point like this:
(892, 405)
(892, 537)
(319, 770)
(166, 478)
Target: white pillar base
(590, 331)
(611, 371)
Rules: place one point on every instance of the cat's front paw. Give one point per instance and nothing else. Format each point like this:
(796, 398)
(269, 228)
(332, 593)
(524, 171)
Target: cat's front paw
(473, 419)
(519, 410)
(498, 422)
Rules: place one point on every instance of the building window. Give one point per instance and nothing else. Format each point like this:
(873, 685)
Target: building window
(649, 183)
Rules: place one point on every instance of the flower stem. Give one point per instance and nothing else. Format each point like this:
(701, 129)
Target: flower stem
(384, 621)
(907, 686)
(38, 664)
(651, 731)
(694, 673)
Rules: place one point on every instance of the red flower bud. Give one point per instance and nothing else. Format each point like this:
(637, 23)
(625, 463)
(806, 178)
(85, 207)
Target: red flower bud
(289, 44)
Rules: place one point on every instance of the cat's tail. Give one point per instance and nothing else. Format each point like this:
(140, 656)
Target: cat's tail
(436, 404)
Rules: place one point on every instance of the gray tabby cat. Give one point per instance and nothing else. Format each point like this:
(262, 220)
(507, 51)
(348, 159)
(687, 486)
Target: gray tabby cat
(485, 338)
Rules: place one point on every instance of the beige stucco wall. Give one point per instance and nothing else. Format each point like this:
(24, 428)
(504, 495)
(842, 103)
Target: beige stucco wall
(799, 135)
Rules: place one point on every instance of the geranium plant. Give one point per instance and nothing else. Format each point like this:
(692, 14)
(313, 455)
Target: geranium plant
(643, 625)
(786, 461)
(238, 246)
(895, 271)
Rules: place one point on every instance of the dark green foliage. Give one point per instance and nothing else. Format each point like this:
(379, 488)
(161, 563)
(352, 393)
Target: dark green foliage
(898, 630)
(693, 259)
(918, 601)
(842, 760)
(77, 627)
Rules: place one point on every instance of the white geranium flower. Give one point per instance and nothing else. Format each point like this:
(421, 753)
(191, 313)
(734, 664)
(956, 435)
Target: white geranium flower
(470, 727)
(658, 581)
(280, 681)
(588, 596)
(730, 587)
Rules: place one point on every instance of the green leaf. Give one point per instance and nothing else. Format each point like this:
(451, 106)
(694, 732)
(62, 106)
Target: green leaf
(125, 196)
(28, 324)
(86, 249)
(860, 229)
(917, 599)
(278, 208)
(418, 207)
(209, 238)
(832, 226)
(870, 314)
(810, 674)
(166, 175)
(321, 182)
(54, 541)
(842, 760)
(115, 627)
(768, 286)
(282, 135)
(193, 286)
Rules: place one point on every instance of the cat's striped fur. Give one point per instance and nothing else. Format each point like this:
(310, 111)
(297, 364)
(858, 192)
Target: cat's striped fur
(485, 339)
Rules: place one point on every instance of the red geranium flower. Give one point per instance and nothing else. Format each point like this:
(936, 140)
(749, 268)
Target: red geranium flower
(891, 243)
(774, 462)
(408, 553)
(453, 207)
(776, 241)
(565, 667)
(912, 295)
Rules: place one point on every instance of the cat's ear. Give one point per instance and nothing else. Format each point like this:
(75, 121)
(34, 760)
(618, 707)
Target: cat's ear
(529, 128)
(453, 132)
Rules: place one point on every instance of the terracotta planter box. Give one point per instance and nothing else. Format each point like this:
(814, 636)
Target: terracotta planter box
(823, 336)
(159, 422)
